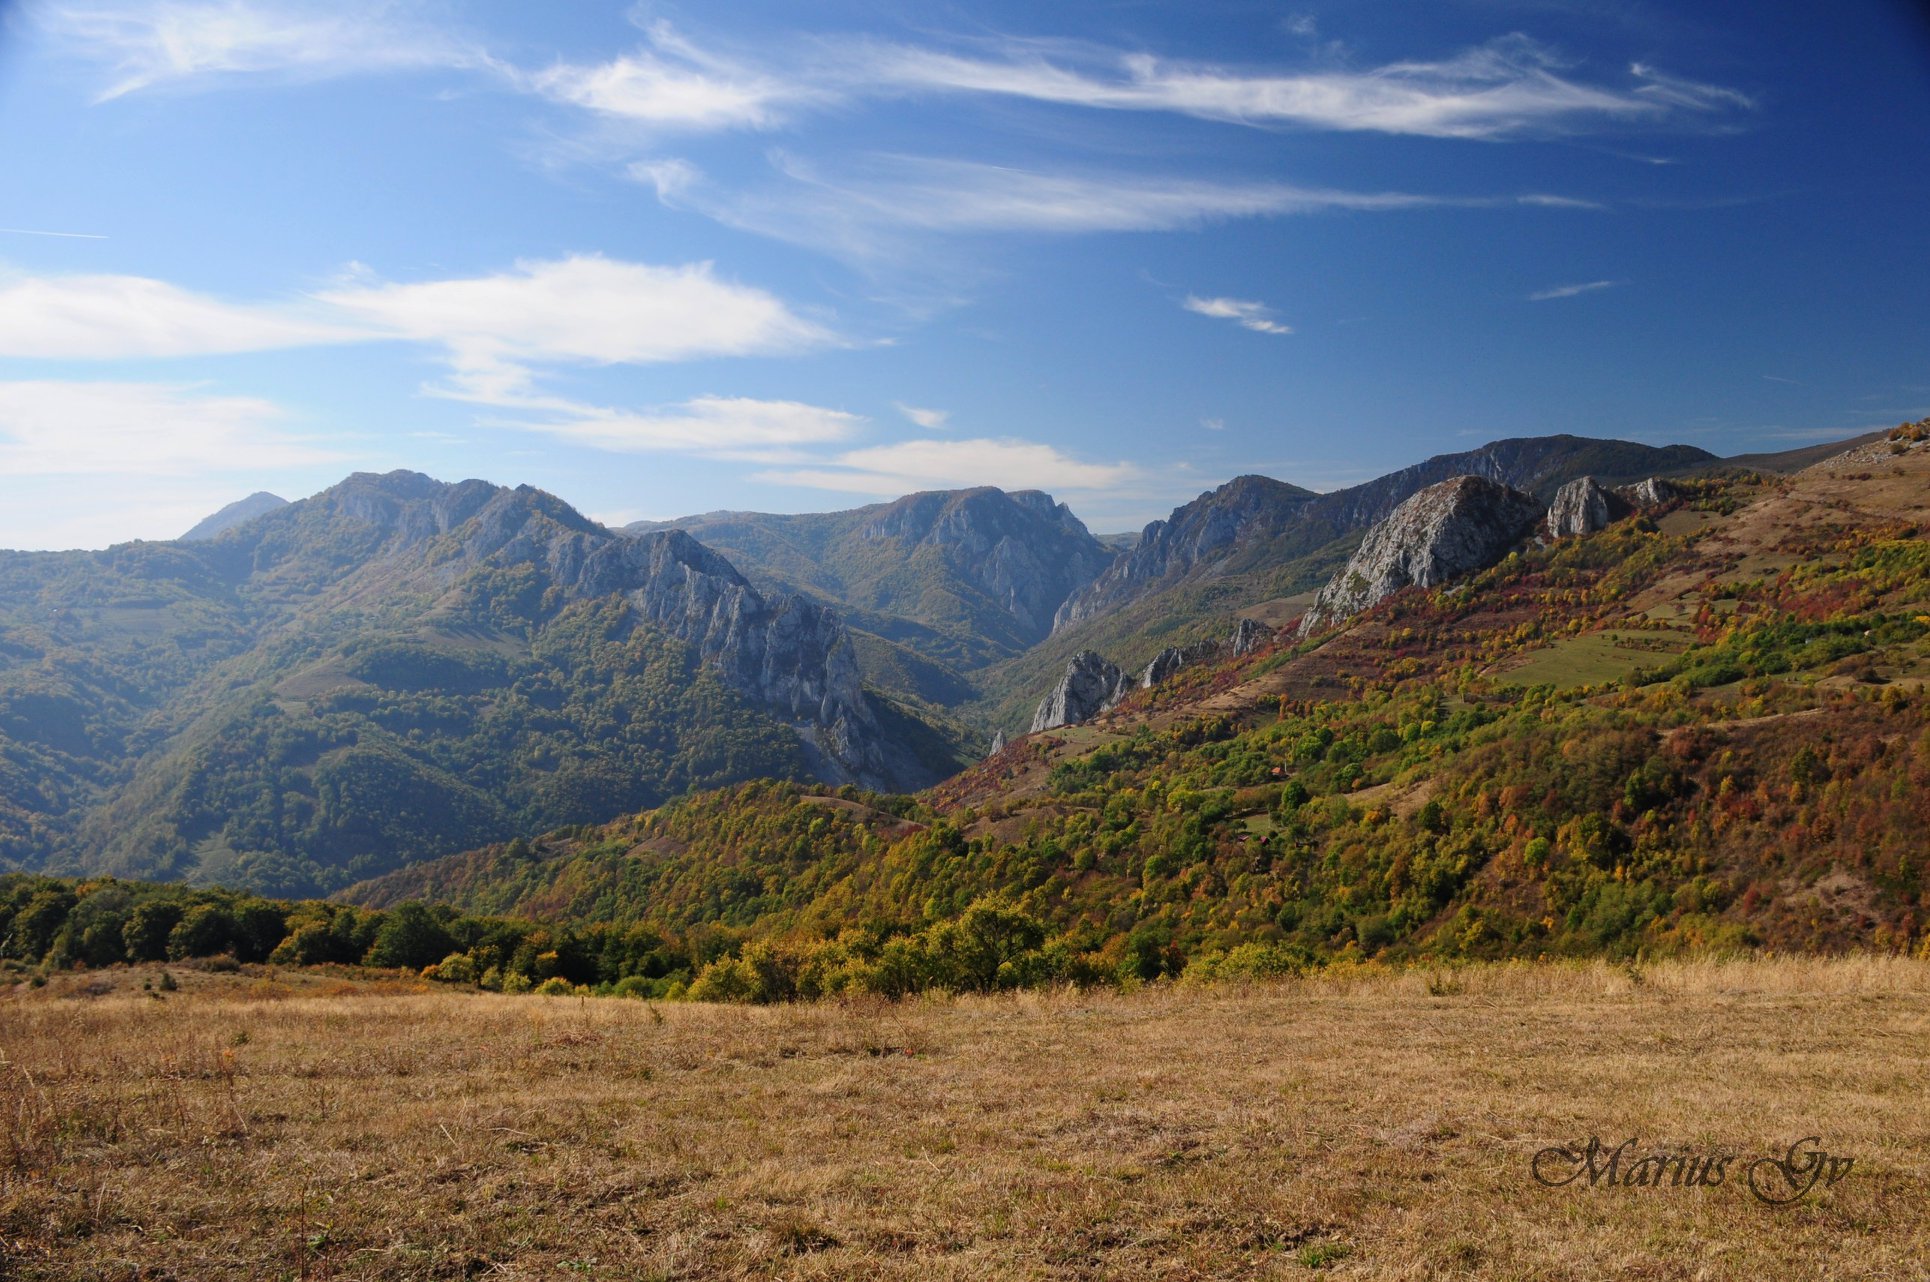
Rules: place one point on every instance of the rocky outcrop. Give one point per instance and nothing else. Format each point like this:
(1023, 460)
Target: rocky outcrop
(1445, 531)
(1167, 663)
(1650, 492)
(998, 743)
(1250, 635)
(1091, 685)
(1582, 507)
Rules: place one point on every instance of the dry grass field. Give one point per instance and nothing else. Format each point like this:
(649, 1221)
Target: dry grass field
(1369, 1124)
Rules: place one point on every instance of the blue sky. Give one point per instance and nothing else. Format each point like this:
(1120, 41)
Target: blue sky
(663, 259)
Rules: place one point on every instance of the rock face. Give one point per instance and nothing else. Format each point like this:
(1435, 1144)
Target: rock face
(1651, 492)
(1582, 507)
(1250, 635)
(234, 514)
(1091, 685)
(998, 743)
(1445, 531)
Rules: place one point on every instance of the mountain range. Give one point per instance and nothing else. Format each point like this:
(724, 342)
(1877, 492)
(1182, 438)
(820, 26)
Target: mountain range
(303, 694)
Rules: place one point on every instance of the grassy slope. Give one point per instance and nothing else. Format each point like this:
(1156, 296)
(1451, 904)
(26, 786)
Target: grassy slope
(258, 1125)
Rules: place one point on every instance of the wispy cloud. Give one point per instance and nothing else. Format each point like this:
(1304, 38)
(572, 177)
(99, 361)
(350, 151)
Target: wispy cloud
(930, 420)
(69, 317)
(1510, 86)
(1257, 317)
(873, 211)
(1546, 201)
(713, 426)
(52, 428)
(64, 235)
(1569, 291)
(586, 310)
(674, 85)
(887, 471)
(162, 43)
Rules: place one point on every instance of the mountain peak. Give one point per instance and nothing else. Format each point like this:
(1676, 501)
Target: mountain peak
(257, 504)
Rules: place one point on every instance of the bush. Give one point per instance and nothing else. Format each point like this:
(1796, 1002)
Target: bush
(456, 968)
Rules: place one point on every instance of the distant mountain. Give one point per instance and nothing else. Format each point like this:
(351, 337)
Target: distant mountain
(962, 577)
(256, 504)
(1244, 510)
(1790, 461)
(1252, 519)
(396, 668)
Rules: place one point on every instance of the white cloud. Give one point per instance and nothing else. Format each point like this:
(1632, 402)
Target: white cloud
(115, 317)
(715, 426)
(1213, 424)
(675, 85)
(582, 310)
(930, 420)
(1257, 317)
(50, 428)
(1569, 291)
(1509, 86)
(177, 42)
(888, 471)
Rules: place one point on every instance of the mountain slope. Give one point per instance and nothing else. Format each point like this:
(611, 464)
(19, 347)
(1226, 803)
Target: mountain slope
(1256, 541)
(395, 668)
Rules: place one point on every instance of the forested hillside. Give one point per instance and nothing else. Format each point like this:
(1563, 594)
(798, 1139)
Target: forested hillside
(395, 669)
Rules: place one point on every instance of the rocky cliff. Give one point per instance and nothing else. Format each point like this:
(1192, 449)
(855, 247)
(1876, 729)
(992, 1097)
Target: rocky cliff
(1445, 531)
(1091, 684)
(1250, 635)
(1583, 506)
